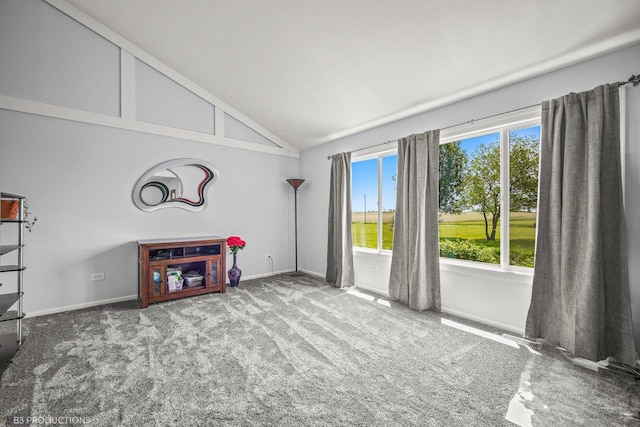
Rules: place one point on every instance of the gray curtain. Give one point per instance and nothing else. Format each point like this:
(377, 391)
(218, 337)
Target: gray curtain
(580, 297)
(339, 250)
(415, 260)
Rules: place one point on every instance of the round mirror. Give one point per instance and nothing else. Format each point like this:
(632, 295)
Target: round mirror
(154, 193)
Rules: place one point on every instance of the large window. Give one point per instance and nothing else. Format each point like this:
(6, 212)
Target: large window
(487, 168)
(373, 200)
(482, 177)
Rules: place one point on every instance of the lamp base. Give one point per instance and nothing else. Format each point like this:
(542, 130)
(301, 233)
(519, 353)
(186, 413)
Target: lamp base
(296, 273)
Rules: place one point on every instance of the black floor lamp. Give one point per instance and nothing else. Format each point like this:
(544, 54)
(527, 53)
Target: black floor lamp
(295, 183)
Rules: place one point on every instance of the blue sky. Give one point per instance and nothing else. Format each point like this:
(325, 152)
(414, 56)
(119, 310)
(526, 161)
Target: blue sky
(365, 182)
(472, 143)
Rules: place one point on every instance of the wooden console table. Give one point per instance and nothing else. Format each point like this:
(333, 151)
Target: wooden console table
(177, 268)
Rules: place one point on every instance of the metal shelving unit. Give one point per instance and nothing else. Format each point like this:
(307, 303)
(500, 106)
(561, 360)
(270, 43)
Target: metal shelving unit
(11, 299)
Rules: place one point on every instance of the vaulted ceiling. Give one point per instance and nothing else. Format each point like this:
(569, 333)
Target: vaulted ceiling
(312, 71)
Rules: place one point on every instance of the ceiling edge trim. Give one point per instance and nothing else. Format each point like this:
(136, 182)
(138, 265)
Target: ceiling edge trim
(612, 44)
(66, 113)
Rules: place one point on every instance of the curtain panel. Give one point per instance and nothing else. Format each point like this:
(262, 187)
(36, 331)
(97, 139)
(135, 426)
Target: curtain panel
(580, 299)
(415, 260)
(339, 248)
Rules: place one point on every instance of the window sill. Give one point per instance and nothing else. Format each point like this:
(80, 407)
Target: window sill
(366, 251)
(516, 274)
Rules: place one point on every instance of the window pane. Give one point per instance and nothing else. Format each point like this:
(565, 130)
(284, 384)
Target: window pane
(389, 175)
(469, 199)
(364, 203)
(524, 149)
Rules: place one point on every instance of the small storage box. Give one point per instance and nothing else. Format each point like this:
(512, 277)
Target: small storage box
(174, 279)
(192, 280)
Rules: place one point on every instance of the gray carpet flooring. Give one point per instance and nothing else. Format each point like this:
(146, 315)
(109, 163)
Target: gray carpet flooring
(291, 351)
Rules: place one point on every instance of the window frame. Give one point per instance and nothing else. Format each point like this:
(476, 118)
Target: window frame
(502, 124)
(499, 123)
(389, 149)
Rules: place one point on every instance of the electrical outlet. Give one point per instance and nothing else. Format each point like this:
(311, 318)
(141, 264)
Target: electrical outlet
(267, 256)
(97, 276)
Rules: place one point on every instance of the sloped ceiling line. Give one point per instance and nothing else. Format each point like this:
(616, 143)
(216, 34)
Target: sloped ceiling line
(130, 52)
(315, 71)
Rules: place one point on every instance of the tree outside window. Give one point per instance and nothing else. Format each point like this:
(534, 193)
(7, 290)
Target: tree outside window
(470, 197)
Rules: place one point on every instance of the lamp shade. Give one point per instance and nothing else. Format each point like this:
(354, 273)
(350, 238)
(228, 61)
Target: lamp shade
(295, 182)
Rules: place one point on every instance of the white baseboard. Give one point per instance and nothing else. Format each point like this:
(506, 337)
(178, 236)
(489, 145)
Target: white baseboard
(261, 275)
(81, 306)
(499, 325)
(312, 273)
(124, 298)
(373, 290)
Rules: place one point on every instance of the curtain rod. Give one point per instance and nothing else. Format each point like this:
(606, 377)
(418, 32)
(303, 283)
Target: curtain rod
(448, 127)
(369, 146)
(634, 79)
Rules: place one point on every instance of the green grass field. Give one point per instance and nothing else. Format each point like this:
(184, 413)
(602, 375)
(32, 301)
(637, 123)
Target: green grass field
(467, 227)
(366, 235)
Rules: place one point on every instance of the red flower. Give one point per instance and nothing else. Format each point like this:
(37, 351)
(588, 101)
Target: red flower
(235, 243)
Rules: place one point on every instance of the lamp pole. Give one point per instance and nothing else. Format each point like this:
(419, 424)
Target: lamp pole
(295, 183)
(295, 222)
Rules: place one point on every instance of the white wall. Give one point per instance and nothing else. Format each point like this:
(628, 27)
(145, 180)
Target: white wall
(39, 50)
(162, 101)
(79, 177)
(497, 298)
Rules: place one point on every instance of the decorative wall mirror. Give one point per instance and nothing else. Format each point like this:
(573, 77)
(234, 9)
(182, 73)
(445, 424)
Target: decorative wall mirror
(179, 183)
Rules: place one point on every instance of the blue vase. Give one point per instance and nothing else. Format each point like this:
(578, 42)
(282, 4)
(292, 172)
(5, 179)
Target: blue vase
(234, 273)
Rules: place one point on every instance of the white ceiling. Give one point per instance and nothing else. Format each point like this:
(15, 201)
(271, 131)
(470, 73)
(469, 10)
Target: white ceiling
(312, 71)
